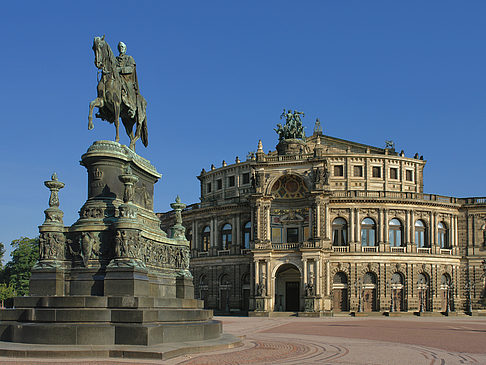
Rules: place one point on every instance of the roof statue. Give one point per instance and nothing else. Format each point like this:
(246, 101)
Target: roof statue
(317, 127)
(118, 92)
(293, 128)
(390, 145)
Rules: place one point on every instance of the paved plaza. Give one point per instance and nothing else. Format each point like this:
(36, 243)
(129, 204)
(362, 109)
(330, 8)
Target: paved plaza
(335, 340)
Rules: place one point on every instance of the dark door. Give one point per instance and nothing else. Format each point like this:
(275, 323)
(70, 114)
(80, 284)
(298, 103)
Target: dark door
(369, 300)
(223, 304)
(292, 297)
(246, 300)
(340, 300)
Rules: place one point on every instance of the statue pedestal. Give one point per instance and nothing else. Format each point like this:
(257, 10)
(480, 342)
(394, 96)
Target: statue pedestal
(291, 147)
(113, 277)
(131, 281)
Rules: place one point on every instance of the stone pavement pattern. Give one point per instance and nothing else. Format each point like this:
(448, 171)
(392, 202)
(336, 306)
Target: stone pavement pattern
(338, 340)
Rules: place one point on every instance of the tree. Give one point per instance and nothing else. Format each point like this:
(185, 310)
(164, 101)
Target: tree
(16, 273)
(6, 291)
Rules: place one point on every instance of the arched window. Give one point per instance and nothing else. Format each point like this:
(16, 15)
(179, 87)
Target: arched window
(369, 278)
(368, 232)
(205, 239)
(189, 238)
(246, 235)
(420, 234)
(396, 279)
(395, 235)
(340, 278)
(339, 232)
(445, 281)
(226, 236)
(443, 235)
(203, 280)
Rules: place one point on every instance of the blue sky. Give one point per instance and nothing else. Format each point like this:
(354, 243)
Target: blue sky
(217, 74)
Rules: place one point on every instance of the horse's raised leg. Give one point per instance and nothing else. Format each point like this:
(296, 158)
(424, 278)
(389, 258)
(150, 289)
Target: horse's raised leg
(98, 102)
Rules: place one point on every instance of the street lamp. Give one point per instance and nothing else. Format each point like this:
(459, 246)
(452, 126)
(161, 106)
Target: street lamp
(359, 286)
(469, 287)
(392, 304)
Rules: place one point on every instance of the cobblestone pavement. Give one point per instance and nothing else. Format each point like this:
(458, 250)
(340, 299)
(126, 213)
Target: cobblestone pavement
(336, 340)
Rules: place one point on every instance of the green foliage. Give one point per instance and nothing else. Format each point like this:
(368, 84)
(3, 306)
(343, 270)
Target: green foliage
(6, 291)
(16, 273)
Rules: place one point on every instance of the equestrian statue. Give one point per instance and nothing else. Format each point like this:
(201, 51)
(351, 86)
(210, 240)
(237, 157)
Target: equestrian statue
(118, 92)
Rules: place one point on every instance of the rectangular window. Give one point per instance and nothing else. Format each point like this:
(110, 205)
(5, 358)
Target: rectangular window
(231, 181)
(208, 188)
(409, 175)
(376, 172)
(339, 170)
(358, 171)
(292, 235)
(246, 178)
(219, 183)
(393, 173)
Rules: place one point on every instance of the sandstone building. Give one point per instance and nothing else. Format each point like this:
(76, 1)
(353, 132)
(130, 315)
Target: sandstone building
(324, 225)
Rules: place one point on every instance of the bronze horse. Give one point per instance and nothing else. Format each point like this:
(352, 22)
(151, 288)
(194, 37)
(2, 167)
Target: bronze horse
(110, 102)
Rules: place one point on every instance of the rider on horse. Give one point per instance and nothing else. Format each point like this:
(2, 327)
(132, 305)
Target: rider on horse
(126, 69)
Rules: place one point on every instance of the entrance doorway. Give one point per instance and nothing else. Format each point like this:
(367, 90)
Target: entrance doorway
(369, 292)
(445, 285)
(287, 289)
(340, 292)
(292, 296)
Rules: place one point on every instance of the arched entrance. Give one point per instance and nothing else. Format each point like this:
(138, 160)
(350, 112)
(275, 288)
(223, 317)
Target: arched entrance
(445, 288)
(340, 292)
(287, 289)
(203, 290)
(245, 292)
(224, 293)
(397, 292)
(369, 292)
(423, 288)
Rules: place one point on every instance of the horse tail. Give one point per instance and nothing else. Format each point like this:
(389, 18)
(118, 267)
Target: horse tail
(144, 135)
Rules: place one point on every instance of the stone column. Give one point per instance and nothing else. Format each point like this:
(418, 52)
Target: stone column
(413, 246)
(327, 223)
(351, 227)
(195, 237)
(213, 250)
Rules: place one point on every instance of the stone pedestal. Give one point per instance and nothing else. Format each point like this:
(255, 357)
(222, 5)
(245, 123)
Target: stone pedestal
(113, 277)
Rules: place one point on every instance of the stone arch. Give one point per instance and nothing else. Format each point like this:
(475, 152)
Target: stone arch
(287, 288)
(288, 186)
(370, 267)
(340, 267)
(294, 262)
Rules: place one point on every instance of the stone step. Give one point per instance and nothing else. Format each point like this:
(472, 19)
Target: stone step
(109, 334)
(104, 302)
(74, 315)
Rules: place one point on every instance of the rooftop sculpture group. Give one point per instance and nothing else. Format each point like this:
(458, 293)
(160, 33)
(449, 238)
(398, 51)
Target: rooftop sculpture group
(118, 92)
(292, 129)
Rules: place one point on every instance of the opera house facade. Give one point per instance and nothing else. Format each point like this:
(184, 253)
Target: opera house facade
(323, 225)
